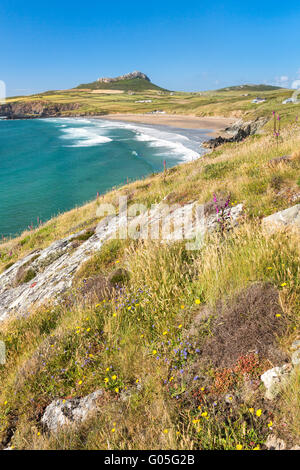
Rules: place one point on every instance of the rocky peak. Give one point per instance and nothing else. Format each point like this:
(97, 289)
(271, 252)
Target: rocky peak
(128, 76)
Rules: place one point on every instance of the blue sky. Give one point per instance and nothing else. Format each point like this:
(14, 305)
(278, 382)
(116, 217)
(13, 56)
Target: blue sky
(191, 45)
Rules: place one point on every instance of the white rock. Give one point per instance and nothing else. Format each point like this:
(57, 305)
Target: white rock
(288, 218)
(274, 379)
(62, 413)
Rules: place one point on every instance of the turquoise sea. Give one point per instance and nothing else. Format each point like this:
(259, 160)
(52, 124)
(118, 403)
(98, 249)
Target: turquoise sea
(48, 166)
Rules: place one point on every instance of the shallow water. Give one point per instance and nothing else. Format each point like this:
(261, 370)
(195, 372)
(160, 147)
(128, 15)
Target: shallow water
(48, 166)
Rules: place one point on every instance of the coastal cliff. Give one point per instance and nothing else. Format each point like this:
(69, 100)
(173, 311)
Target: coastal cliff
(35, 109)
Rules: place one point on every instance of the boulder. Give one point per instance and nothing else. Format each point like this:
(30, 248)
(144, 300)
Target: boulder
(62, 413)
(274, 379)
(288, 218)
(274, 443)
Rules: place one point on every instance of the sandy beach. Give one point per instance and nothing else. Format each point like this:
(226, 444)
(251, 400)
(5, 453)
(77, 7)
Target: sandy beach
(216, 124)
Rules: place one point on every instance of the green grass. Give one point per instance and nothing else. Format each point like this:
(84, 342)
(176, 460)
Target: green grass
(135, 84)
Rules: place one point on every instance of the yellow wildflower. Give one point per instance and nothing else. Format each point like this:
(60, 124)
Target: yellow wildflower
(114, 377)
(80, 382)
(256, 448)
(166, 431)
(283, 284)
(239, 447)
(197, 301)
(154, 351)
(258, 413)
(270, 424)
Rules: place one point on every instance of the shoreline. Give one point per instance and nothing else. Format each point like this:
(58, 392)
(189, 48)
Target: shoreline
(215, 125)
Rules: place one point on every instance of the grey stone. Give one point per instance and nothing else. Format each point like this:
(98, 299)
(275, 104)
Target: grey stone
(274, 379)
(295, 345)
(62, 413)
(288, 218)
(274, 443)
(296, 358)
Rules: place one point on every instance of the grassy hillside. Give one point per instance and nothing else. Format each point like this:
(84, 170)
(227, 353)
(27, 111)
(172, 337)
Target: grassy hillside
(251, 88)
(134, 84)
(211, 103)
(157, 341)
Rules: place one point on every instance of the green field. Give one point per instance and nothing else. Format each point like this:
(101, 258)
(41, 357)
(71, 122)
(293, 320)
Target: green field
(231, 103)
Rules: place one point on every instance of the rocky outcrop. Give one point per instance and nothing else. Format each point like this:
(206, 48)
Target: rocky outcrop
(56, 265)
(61, 413)
(35, 109)
(236, 133)
(288, 218)
(275, 379)
(128, 76)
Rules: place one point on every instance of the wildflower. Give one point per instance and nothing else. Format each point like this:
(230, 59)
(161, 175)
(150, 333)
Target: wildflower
(195, 421)
(283, 284)
(114, 377)
(88, 329)
(113, 430)
(258, 413)
(239, 447)
(80, 382)
(251, 410)
(165, 333)
(5, 403)
(114, 315)
(38, 433)
(107, 369)
(166, 431)
(270, 424)
(182, 307)
(171, 378)
(197, 301)
(256, 448)
(142, 336)
(278, 315)
(179, 326)
(106, 380)
(269, 267)
(204, 414)
(154, 351)
(116, 390)
(137, 381)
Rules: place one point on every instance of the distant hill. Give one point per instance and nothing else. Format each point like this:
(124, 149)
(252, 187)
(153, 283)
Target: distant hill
(135, 81)
(251, 88)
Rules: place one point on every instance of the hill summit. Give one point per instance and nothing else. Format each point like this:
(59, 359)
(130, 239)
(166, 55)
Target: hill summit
(134, 81)
(128, 76)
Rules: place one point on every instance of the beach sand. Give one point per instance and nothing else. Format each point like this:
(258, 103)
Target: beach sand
(216, 124)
